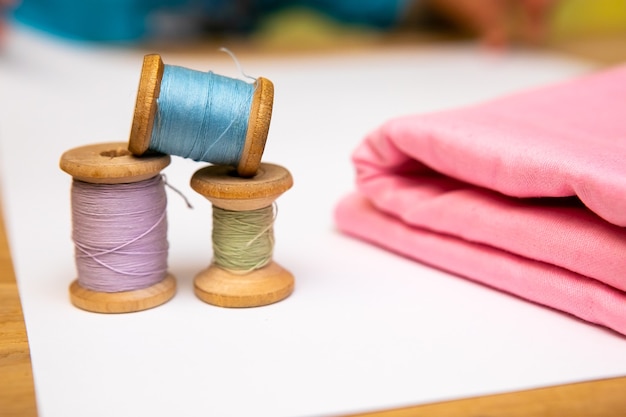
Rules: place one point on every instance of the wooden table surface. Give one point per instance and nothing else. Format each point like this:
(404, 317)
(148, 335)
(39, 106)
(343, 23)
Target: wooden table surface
(592, 398)
(17, 393)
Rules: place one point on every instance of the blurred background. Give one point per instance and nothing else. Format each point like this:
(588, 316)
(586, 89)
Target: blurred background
(589, 29)
(49, 102)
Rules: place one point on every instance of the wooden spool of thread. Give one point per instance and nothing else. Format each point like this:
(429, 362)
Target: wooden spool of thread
(112, 164)
(147, 108)
(226, 287)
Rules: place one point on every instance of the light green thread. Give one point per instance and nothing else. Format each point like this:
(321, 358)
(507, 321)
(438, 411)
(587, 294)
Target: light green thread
(243, 240)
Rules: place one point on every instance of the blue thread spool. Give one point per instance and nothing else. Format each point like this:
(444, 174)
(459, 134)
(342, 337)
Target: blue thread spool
(225, 122)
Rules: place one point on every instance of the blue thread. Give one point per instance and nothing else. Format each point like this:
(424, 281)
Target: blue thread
(202, 116)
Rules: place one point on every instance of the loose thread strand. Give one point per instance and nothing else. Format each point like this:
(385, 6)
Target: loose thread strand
(234, 58)
(177, 191)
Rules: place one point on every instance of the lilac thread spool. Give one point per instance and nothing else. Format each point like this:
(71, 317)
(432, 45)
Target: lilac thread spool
(119, 229)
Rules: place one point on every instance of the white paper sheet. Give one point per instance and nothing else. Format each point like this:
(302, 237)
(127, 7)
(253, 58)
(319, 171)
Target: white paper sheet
(364, 330)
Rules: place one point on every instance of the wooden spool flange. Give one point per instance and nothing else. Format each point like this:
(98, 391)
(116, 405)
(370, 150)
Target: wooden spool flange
(112, 163)
(146, 107)
(226, 190)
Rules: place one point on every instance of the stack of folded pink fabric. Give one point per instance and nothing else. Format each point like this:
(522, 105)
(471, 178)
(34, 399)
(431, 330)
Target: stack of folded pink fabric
(525, 194)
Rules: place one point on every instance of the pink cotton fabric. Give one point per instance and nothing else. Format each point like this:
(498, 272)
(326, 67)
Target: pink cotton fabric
(526, 194)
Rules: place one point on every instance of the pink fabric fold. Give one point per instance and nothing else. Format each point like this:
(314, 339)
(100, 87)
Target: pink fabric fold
(526, 194)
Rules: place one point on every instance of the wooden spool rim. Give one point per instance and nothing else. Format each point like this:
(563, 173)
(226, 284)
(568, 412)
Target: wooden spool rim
(264, 286)
(258, 128)
(124, 301)
(146, 107)
(146, 104)
(224, 188)
(110, 163)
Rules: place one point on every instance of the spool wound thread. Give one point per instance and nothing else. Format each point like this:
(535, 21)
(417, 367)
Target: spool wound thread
(202, 116)
(120, 234)
(243, 240)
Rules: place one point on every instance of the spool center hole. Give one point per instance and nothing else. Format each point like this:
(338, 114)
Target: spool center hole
(115, 153)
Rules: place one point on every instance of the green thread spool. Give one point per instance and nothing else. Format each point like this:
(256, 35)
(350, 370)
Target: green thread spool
(243, 273)
(243, 240)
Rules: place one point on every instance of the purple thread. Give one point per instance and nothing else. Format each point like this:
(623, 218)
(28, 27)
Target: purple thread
(120, 234)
